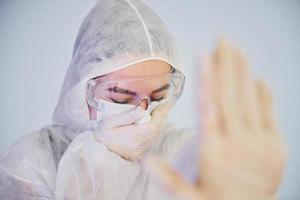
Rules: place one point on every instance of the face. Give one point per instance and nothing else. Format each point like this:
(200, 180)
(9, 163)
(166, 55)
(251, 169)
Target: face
(149, 81)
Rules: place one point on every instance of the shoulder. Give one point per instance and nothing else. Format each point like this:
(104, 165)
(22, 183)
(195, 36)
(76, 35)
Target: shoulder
(35, 156)
(46, 140)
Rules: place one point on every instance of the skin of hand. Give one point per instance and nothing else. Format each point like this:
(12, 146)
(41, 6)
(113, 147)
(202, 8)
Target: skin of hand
(241, 154)
(130, 140)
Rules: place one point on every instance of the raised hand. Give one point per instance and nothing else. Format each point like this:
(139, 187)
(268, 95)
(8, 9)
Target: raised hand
(241, 155)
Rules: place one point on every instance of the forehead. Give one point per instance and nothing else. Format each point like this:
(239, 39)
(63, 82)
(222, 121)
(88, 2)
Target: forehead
(146, 68)
(142, 77)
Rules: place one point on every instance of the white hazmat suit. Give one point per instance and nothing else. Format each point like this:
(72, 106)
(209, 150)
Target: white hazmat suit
(63, 161)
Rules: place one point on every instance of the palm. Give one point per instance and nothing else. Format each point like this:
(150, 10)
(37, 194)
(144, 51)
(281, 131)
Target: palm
(239, 166)
(242, 153)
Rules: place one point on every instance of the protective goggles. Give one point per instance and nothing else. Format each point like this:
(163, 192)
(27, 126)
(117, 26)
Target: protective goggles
(133, 90)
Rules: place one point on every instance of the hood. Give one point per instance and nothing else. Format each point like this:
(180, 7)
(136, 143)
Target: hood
(115, 34)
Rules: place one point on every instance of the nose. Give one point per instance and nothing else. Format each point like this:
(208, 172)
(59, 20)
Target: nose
(144, 104)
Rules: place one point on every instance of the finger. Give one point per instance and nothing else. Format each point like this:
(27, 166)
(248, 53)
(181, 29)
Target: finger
(145, 140)
(248, 101)
(160, 114)
(266, 106)
(158, 119)
(209, 121)
(226, 87)
(171, 180)
(162, 109)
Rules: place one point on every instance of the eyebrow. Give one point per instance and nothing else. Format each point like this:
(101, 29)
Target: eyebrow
(128, 92)
(166, 86)
(121, 91)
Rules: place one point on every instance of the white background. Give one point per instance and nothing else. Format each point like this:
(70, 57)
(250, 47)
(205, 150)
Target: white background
(36, 41)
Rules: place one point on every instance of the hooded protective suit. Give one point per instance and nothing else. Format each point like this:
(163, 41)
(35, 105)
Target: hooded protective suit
(63, 161)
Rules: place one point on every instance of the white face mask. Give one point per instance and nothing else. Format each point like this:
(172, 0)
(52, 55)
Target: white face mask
(109, 109)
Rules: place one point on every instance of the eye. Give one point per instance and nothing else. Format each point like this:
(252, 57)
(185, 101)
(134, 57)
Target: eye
(120, 102)
(159, 96)
(157, 99)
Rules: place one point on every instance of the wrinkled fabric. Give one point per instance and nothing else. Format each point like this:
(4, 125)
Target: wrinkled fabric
(50, 162)
(28, 169)
(33, 167)
(107, 176)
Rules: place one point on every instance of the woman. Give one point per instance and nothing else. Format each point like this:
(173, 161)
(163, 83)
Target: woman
(124, 77)
(124, 66)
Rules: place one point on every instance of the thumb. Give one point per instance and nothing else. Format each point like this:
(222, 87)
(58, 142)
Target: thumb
(171, 180)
